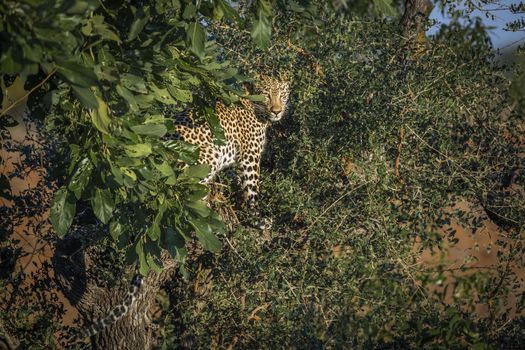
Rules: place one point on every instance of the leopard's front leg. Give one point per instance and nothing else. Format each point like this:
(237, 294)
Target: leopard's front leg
(250, 185)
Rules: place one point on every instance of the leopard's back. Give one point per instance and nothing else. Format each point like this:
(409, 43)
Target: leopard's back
(243, 132)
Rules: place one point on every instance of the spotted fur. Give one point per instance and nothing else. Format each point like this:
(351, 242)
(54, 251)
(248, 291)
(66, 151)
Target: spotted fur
(244, 127)
(118, 311)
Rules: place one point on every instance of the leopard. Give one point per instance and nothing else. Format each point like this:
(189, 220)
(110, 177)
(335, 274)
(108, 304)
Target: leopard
(245, 129)
(245, 126)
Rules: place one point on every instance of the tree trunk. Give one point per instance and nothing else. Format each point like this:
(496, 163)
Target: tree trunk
(416, 12)
(84, 283)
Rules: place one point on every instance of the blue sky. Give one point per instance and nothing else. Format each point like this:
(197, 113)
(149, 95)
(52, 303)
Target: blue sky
(501, 39)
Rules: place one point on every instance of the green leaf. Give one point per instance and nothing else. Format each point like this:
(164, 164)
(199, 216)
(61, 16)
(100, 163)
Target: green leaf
(165, 169)
(85, 96)
(264, 7)
(174, 243)
(129, 97)
(150, 129)
(103, 205)
(261, 32)
(32, 52)
(189, 11)
(141, 18)
(187, 152)
(223, 9)
(9, 63)
(133, 83)
(146, 175)
(100, 117)
(116, 229)
(255, 98)
(215, 126)
(144, 101)
(143, 265)
(162, 95)
(478, 346)
(262, 27)
(153, 253)
(205, 235)
(80, 179)
(154, 263)
(77, 74)
(385, 7)
(102, 28)
(153, 231)
(139, 150)
(154, 119)
(295, 6)
(180, 94)
(200, 171)
(63, 210)
(216, 223)
(196, 37)
(129, 176)
(197, 191)
(80, 7)
(199, 207)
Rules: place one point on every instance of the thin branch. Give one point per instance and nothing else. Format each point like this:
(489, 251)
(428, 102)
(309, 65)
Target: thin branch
(11, 106)
(331, 205)
(399, 146)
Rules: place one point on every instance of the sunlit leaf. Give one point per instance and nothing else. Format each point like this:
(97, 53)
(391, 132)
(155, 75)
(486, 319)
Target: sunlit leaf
(180, 94)
(139, 150)
(100, 117)
(199, 171)
(213, 122)
(81, 177)
(385, 7)
(150, 129)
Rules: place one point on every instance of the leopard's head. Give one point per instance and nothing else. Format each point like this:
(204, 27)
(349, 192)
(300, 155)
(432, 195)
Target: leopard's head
(276, 92)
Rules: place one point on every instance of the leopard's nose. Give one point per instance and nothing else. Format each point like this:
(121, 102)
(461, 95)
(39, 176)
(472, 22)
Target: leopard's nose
(276, 110)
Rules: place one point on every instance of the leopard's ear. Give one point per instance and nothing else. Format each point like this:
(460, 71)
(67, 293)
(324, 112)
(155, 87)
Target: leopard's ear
(285, 76)
(248, 88)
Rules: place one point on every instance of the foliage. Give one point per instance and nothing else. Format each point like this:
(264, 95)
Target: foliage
(384, 138)
(112, 72)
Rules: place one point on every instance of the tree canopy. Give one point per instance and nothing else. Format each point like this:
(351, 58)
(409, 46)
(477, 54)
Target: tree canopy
(388, 134)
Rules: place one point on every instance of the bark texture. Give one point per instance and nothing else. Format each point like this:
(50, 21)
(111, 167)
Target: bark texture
(7, 342)
(81, 278)
(416, 12)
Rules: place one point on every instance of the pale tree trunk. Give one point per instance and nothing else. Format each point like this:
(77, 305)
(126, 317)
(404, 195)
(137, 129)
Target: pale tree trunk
(78, 273)
(416, 12)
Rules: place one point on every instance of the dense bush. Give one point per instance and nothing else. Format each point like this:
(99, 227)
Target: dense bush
(385, 136)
